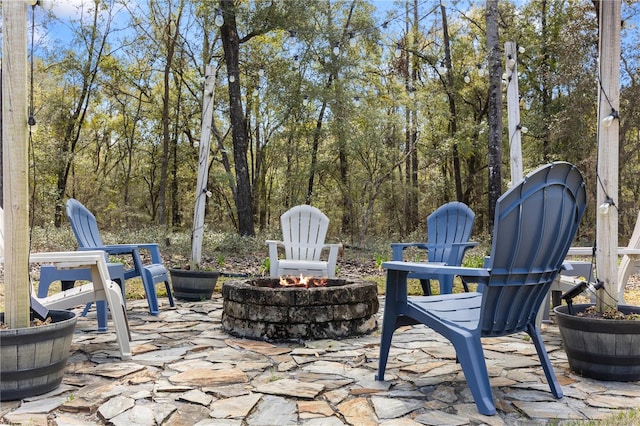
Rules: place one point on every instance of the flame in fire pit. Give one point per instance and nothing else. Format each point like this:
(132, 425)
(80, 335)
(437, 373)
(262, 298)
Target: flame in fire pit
(302, 282)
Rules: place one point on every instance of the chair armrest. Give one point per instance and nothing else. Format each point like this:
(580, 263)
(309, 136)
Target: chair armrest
(273, 256)
(398, 248)
(334, 249)
(154, 251)
(114, 248)
(469, 274)
(457, 252)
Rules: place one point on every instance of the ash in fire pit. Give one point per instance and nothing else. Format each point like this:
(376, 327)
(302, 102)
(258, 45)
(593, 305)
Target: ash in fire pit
(320, 309)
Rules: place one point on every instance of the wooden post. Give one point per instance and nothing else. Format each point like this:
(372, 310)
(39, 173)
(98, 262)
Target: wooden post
(608, 139)
(513, 111)
(14, 167)
(203, 167)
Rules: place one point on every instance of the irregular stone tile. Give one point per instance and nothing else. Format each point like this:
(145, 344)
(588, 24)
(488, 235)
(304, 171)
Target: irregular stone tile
(138, 416)
(235, 407)
(444, 393)
(207, 377)
(197, 397)
(274, 410)
(142, 348)
(263, 348)
(185, 365)
(324, 421)
(336, 396)
(188, 415)
(470, 411)
(400, 422)
(357, 411)
(290, 387)
(422, 368)
(27, 419)
(437, 418)
(78, 405)
(287, 366)
(161, 357)
(40, 406)
(219, 422)
(227, 391)
(547, 410)
(608, 401)
(68, 420)
(115, 406)
(114, 370)
(392, 408)
(314, 409)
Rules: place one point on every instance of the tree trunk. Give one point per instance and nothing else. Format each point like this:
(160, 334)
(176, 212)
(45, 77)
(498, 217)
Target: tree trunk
(495, 110)
(239, 132)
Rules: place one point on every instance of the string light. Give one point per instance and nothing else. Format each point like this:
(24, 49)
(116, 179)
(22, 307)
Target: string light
(480, 70)
(605, 206)
(521, 49)
(305, 100)
(219, 19)
(511, 62)
(398, 51)
(336, 49)
(352, 39)
(606, 122)
(261, 71)
(467, 79)
(292, 37)
(296, 62)
(232, 78)
(356, 101)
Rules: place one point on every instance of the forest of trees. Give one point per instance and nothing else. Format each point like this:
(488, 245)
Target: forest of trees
(374, 117)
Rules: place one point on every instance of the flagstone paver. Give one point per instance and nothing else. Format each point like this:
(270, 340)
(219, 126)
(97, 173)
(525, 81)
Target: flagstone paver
(187, 371)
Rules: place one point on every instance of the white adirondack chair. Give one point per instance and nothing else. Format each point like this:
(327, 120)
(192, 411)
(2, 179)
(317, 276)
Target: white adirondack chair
(101, 289)
(304, 229)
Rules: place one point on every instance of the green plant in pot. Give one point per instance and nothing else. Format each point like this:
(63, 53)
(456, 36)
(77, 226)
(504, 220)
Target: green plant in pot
(193, 283)
(601, 339)
(32, 356)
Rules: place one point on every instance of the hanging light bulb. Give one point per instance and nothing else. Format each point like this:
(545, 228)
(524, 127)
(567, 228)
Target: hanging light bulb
(305, 100)
(442, 68)
(261, 71)
(467, 79)
(480, 70)
(352, 39)
(296, 62)
(521, 49)
(398, 51)
(232, 78)
(606, 122)
(219, 19)
(511, 62)
(605, 206)
(255, 90)
(336, 49)
(356, 101)
(412, 94)
(292, 38)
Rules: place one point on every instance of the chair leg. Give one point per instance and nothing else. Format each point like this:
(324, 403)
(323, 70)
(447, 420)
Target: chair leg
(169, 293)
(471, 357)
(536, 337)
(426, 287)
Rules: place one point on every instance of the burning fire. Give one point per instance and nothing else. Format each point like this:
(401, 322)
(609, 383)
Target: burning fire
(302, 282)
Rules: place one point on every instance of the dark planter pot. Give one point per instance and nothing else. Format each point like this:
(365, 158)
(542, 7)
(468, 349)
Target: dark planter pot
(602, 349)
(193, 285)
(32, 360)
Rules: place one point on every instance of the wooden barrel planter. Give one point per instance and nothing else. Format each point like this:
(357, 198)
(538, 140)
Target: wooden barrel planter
(603, 349)
(32, 360)
(193, 285)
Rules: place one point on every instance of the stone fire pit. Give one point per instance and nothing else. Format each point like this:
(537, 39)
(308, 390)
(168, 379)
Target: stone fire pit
(262, 309)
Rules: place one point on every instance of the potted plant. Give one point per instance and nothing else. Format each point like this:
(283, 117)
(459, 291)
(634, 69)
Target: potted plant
(32, 358)
(194, 283)
(601, 340)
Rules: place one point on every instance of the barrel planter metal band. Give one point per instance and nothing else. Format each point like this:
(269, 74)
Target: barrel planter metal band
(32, 360)
(603, 349)
(193, 285)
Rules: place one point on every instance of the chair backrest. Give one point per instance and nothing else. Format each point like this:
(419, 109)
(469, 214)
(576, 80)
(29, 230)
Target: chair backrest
(84, 224)
(448, 224)
(304, 229)
(535, 223)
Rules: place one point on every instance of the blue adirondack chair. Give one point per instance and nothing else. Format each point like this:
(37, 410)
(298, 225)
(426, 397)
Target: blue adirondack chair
(85, 228)
(448, 231)
(535, 222)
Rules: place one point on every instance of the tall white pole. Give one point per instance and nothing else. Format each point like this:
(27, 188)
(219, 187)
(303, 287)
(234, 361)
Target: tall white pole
(203, 167)
(608, 140)
(513, 111)
(14, 167)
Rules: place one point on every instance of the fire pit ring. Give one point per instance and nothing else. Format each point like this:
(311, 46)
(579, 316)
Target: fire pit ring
(261, 309)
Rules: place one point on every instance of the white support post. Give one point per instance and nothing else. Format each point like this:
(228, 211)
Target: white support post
(608, 139)
(203, 167)
(513, 110)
